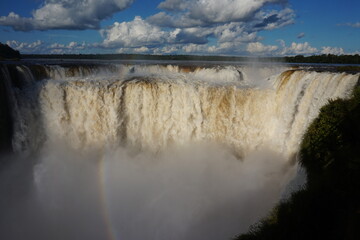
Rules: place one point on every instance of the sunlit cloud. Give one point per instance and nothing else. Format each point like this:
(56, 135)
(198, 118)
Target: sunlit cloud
(214, 12)
(257, 48)
(187, 27)
(66, 14)
(232, 27)
(297, 48)
(26, 47)
(43, 47)
(332, 50)
(136, 33)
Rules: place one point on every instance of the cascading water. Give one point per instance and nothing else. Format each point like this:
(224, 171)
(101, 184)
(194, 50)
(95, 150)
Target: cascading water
(153, 151)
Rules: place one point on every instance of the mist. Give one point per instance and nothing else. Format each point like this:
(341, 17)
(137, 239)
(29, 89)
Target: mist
(201, 192)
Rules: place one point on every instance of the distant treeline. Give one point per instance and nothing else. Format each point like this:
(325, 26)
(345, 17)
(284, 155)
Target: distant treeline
(325, 58)
(7, 52)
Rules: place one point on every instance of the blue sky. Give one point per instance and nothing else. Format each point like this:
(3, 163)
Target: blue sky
(206, 27)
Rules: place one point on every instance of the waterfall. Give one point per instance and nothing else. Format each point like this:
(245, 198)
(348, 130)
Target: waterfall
(150, 151)
(151, 107)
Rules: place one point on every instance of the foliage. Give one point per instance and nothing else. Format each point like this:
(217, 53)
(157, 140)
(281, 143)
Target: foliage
(329, 206)
(7, 52)
(325, 58)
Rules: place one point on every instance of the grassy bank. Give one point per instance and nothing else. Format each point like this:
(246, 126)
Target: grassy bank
(329, 205)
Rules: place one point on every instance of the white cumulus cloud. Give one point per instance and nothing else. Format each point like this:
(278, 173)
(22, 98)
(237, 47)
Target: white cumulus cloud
(66, 14)
(25, 47)
(332, 50)
(214, 11)
(191, 13)
(195, 48)
(42, 47)
(174, 5)
(223, 27)
(259, 48)
(137, 33)
(297, 49)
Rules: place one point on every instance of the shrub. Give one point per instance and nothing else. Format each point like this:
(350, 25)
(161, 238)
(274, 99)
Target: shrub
(329, 206)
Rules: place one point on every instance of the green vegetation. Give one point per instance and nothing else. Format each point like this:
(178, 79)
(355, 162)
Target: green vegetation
(325, 58)
(329, 206)
(7, 52)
